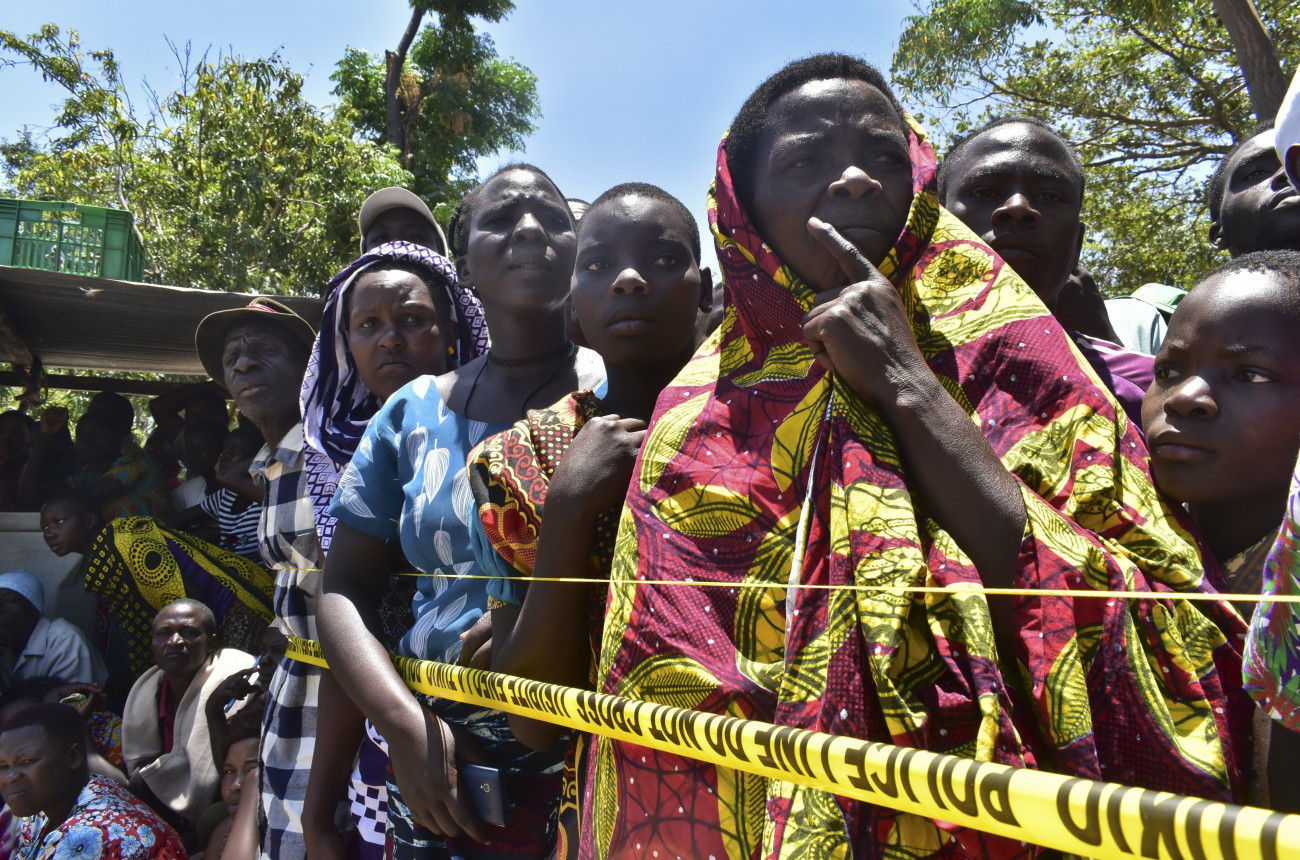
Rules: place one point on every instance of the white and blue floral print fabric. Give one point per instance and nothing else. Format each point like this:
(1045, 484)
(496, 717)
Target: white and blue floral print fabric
(418, 445)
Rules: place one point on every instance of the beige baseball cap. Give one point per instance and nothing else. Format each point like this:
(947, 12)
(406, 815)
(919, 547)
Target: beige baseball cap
(396, 197)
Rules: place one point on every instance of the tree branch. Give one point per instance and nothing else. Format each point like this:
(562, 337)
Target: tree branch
(1220, 110)
(1151, 125)
(1256, 53)
(394, 61)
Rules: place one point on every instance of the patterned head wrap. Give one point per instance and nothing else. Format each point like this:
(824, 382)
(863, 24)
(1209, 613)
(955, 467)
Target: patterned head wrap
(336, 405)
(761, 471)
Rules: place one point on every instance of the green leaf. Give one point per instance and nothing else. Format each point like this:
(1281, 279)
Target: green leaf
(1151, 94)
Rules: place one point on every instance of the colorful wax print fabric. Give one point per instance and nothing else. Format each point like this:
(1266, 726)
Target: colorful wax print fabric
(137, 566)
(510, 474)
(1244, 572)
(105, 730)
(9, 827)
(762, 474)
(1272, 666)
(106, 823)
(139, 473)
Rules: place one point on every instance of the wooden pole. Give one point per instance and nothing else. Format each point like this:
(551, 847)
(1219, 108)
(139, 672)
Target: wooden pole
(72, 382)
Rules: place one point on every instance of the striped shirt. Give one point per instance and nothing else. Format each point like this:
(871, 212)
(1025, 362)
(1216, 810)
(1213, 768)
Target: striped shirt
(239, 529)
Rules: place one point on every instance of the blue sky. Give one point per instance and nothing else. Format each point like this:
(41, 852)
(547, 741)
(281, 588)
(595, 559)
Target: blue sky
(630, 91)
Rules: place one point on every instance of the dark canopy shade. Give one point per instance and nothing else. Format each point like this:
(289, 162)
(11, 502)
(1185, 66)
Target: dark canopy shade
(87, 323)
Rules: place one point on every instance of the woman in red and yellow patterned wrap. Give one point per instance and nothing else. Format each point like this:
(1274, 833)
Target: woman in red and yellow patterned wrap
(887, 405)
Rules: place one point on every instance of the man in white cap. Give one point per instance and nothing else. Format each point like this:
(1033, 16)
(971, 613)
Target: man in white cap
(394, 214)
(32, 646)
(1287, 141)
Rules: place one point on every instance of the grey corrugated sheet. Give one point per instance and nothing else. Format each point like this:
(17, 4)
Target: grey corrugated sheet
(98, 324)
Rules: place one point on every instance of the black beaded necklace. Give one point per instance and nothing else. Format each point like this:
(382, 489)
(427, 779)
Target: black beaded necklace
(564, 350)
(567, 351)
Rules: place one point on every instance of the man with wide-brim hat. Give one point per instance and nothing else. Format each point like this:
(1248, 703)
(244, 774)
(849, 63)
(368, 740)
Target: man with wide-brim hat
(259, 353)
(395, 214)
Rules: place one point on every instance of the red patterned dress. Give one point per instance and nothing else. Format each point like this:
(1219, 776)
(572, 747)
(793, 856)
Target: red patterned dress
(762, 473)
(510, 474)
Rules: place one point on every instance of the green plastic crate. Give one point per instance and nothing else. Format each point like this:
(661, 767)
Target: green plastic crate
(67, 237)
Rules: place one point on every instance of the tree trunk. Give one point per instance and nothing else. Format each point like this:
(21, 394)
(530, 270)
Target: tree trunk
(393, 63)
(1257, 55)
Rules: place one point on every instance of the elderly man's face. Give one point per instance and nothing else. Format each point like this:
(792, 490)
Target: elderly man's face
(35, 774)
(180, 642)
(262, 367)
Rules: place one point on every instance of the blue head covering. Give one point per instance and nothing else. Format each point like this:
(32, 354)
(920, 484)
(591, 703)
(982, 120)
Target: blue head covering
(22, 582)
(336, 405)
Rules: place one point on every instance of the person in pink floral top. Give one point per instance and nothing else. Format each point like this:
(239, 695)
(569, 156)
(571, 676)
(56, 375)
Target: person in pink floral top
(65, 812)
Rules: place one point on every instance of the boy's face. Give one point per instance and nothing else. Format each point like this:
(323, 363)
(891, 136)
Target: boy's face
(402, 225)
(1222, 418)
(66, 529)
(637, 286)
(201, 451)
(236, 449)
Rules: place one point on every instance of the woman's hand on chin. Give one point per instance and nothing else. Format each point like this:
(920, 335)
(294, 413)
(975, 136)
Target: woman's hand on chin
(861, 331)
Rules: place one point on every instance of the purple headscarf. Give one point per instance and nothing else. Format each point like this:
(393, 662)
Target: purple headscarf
(336, 405)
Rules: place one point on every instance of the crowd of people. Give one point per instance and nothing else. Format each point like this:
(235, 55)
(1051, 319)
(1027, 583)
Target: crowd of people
(547, 441)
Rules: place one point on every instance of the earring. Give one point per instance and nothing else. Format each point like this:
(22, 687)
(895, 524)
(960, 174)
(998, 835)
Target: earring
(451, 351)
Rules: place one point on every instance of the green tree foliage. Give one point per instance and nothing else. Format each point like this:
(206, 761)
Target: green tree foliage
(235, 180)
(1151, 93)
(444, 97)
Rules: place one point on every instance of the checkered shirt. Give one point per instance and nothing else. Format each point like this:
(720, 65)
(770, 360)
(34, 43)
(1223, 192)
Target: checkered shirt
(290, 546)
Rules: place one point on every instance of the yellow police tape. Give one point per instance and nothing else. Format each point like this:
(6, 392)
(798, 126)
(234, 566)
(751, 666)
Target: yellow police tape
(642, 582)
(1093, 819)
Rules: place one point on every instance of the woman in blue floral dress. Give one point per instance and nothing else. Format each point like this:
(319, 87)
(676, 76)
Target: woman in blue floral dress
(406, 489)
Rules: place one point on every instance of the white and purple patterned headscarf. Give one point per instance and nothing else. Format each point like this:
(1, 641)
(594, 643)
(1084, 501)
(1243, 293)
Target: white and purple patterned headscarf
(336, 405)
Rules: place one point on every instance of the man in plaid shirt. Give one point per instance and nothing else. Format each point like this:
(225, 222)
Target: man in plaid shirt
(260, 354)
